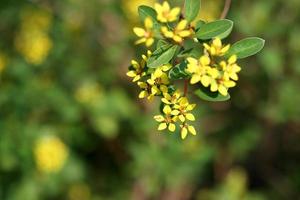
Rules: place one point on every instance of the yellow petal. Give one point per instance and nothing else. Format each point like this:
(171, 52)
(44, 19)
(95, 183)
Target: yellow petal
(136, 78)
(225, 49)
(223, 90)
(192, 130)
(163, 88)
(192, 61)
(204, 60)
(159, 118)
(142, 94)
(166, 6)
(142, 40)
(214, 86)
(177, 38)
(167, 109)
(174, 13)
(172, 127)
(158, 8)
(217, 42)
(175, 112)
(184, 133)
(232, 59)
(139, 31)
(190, 116)
(162, 126)
(148, 23)
(195, 79)
(205, 80)
(181, 118)
(181, 25)
(131, 74)
(149, 42)
(185, 33)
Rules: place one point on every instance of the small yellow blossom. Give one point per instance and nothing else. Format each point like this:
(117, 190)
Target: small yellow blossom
(178, 33)
(158, 82)
(216, 48)
(146, 90)
(221, 84)
(171, 99)
(89, 93)
(138, 68)
(185, 128)
(168, 120)
(184, 108)
(200, 70)
(50, 154)
(165, 13)
(146, 34)
(230, 68)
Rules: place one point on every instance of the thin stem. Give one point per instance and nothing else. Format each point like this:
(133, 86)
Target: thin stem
(226, 9)
(186, 84)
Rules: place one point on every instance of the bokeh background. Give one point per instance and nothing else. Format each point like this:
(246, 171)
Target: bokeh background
(72, 127)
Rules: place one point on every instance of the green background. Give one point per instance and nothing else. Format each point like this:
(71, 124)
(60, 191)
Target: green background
(246, 148)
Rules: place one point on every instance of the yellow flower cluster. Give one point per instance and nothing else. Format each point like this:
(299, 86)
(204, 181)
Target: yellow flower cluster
(33, 41)
(176, 109)
(212, 69)
(165, 15)
(50, 154)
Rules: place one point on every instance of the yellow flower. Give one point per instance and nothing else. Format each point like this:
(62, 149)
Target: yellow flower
(146, 34)
(146, 90)
(171, 99)
(89, 93)
(200, 70)
(50, 154)
(230, 68)
(165, 13)
(178, 33)
(185, 128)
(184, 107)
(168, 120)
(159, 81)
(216, 48)
(221, 84)
(138, 68)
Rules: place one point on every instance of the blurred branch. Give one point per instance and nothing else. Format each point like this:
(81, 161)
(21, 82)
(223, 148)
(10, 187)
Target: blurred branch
(225, 9)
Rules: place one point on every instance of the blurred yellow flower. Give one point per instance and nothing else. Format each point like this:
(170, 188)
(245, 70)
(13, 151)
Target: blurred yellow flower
(3, 62)
(199, 69)
(79, 192)
(33, 41)
(165, 13)
(146, 35)
(50, 154)
(88, 93)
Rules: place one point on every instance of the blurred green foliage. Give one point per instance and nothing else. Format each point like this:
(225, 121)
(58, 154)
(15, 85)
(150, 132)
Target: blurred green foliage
(62, 68)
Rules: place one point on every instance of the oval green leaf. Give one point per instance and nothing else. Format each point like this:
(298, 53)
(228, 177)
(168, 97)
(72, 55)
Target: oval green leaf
(246, 47)
(205, 94)
(161, 57)
(191, 9)
(146, 11)
(220, 28)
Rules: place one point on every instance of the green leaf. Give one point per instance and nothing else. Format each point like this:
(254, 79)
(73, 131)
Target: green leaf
(246, 47)
(199, 24)
(161, 43)
(178, 72)
(205, 94)
(191, 9)
(162, 56)
(220, 28)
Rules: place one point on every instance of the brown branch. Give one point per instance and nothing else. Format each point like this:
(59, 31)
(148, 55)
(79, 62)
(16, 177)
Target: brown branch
(226, 9)
(186, 84)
